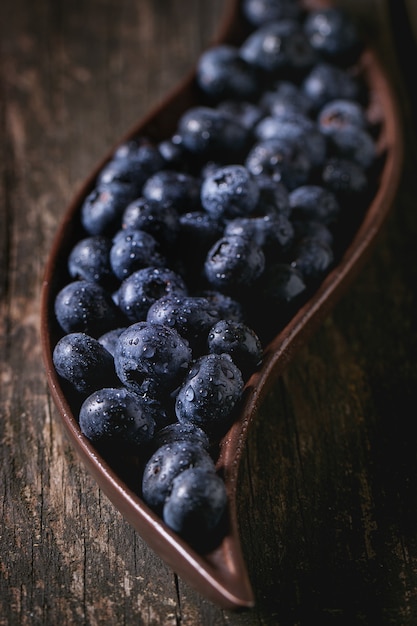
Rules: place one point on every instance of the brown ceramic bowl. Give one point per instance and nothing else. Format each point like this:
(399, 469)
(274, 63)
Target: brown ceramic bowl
(221, 575)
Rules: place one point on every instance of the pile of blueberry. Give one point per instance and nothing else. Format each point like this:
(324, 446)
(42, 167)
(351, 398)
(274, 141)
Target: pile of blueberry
(199, 247)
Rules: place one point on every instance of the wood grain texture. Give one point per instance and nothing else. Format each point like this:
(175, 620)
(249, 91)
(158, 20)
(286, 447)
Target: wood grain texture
(328, 501)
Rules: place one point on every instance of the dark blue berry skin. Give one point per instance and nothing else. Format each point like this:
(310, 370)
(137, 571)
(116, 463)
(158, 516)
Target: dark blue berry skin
(153, 351)
(259, 12)
(234, 263)
(83, 362)
(116, 416)
(209, 393)
(198, 232)
(282, 159)
(158, 401)
(314, 202)
(139, 290)
(156, 218)
(248, 114)
(211, 134)
(313, 259)
(326, 82)
(295, 126)
(354, 144)
(273, 197)
(283, 284)
(132, 169)
(278, 48)
(196, 505)
(227, 307)
(230, 191)
(333, 34)
(102, 209)
(110, 339)
(273, 233)
(166, 463)
(191, 316)
(338, 114)
(136, 148)
(177, 189)
(174, 153)
(222, 74)
(315, 230)
(239, 341)
(177, 433)
(346, 179)
(283, 98)
(90, 260)
(84, 306)
(133, 250)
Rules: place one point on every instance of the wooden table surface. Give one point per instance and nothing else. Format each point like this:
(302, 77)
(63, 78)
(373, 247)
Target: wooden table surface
(328, 499)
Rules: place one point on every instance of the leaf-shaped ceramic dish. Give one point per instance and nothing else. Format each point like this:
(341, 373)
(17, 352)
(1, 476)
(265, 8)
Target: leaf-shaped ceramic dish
(221, 575)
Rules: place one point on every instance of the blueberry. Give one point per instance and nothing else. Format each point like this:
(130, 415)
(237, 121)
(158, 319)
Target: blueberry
(177, 189)
(159, 219)
(191, 316)
(283, 159)
(139, 290)
(352, 143)
(155, 351)
(340, 113)
(198, 231)
(135, 148)
(174, 153)
(158, 401)
(285, 97)
(133, 250)
(222, 74)
(116, 416)
(259, 12)
(212, 134)
(314, 229)
(83, 306)
(273, 233)
(239, 341)
(333, 34)
(177, 433)
(109, 339)
(314, 202)
(230, 191)
(196, 505)
(83, 362)
(132, 168)
(273, 197)
(227, 307)
(345, 178)
(90, 260)
(234, 263)
(278, 47)
(209, 393)
(313, 258)
(246, 113)
(102, 209)
(326, 82)
(166, 463)
(294, 126)
(282, 284)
